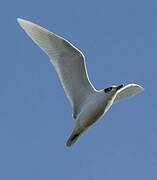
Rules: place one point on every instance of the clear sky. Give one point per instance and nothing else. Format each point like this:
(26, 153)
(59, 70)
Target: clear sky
(119, 40)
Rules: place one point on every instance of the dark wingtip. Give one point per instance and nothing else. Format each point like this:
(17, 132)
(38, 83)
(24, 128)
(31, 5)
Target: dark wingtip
(120, 86)
(72, 139)
(68, 144)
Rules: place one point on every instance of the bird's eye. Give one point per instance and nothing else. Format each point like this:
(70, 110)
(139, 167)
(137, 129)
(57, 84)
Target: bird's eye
(107, 89)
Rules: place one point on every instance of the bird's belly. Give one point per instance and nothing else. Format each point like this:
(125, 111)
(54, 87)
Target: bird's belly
(91, 113)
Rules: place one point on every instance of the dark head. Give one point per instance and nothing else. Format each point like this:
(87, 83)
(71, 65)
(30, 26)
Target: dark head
(112, 89)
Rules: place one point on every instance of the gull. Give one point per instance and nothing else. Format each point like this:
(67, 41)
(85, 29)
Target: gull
(88, 104)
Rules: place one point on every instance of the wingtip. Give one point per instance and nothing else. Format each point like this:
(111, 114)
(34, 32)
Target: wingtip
(72, 139)
(140, 87)
(23, 21)
(68, 144)
(20, 20)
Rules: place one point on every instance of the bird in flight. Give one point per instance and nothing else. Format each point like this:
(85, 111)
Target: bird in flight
(88, 104)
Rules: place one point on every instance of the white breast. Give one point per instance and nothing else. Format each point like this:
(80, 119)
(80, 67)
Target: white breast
(94, 108)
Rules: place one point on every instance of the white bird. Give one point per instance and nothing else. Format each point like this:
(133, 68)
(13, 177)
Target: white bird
(88, 104)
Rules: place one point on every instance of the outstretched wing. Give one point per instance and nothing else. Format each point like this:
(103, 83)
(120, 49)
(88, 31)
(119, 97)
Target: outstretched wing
(128, 91)
(68, 61)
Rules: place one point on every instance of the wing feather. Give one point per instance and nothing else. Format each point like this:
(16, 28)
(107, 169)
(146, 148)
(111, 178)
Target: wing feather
(128, 91)
(67, 60)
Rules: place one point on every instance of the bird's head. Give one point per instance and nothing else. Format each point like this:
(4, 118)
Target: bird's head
(112, 89)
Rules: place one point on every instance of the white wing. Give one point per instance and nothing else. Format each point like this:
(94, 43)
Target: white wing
(128, 91)
(68, 62)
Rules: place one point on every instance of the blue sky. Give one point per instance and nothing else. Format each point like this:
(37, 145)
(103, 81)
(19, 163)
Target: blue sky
(119, 40)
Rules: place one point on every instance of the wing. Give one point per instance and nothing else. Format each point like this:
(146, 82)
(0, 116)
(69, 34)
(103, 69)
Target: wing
(68, 61)
(128, 91)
